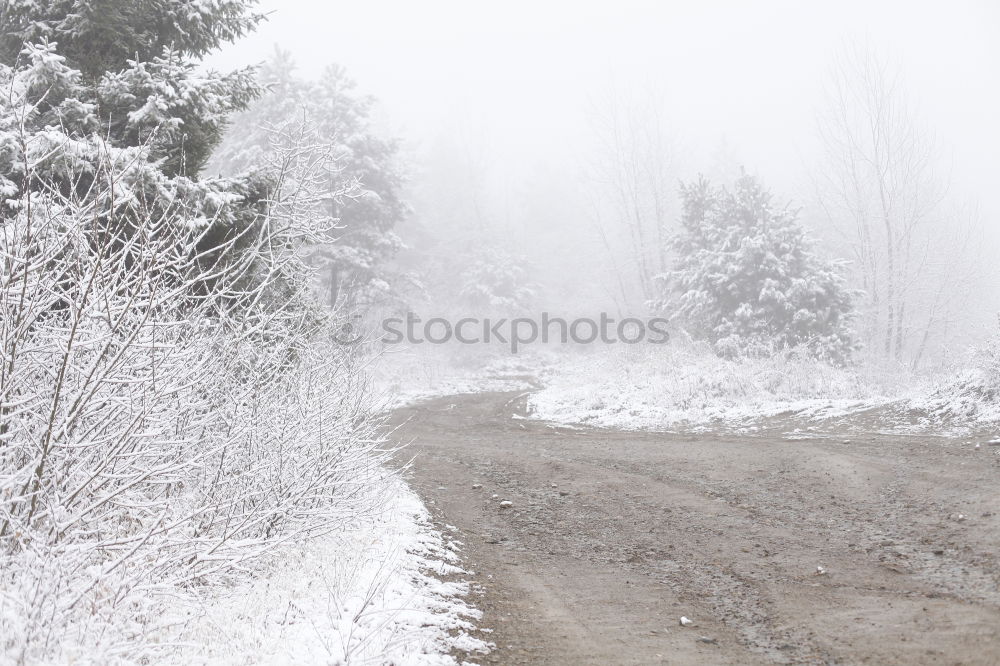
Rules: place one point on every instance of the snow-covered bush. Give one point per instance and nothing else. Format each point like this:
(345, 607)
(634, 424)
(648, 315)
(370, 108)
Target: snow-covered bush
(988, 359)
(972, 395)
(173, 405)
(497, 281)
(748, 281)
(164, 416)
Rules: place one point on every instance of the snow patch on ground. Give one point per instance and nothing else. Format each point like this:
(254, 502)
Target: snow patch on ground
(386, 590)
(684, 387)
(666, 388)
(970, 399)
(407, 377)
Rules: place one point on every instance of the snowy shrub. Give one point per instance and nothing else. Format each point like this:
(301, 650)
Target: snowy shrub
(988, 359)
(172, 404)
(972, 394)
(164, 417)
(748, 280)
(497, 282)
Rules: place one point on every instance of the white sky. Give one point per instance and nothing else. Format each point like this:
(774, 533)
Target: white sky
(523, 72)
(519, 76)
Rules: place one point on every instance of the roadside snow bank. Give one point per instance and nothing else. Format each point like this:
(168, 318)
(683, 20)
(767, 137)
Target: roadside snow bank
(659, 388)
(370, 594)
(971, 397)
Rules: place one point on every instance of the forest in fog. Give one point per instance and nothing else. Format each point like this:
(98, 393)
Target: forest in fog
(245, 243)
(555, 176)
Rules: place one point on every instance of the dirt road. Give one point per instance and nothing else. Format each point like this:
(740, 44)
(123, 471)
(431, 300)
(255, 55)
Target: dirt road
(612, 537)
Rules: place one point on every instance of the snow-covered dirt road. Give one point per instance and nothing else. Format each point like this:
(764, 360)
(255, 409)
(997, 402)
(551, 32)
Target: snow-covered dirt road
(880, 550)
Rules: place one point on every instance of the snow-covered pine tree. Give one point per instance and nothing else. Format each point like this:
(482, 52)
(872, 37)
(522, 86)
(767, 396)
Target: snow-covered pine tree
(355, 265)
(127, 69)
(100, 36)
(88, 83)
(497, 282)
(748, 280)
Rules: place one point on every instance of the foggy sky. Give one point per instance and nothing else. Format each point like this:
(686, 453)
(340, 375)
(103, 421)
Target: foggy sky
(522, 73)
(520, 78)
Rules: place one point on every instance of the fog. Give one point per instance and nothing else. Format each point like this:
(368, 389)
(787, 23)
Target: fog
(453, 332)
(520, 77)
(503, 106)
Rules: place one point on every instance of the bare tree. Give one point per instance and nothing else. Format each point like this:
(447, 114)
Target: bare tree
(634, 169)
(881, 190)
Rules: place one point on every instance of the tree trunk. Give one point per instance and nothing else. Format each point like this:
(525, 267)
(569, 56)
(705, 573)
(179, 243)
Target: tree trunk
(334, 286)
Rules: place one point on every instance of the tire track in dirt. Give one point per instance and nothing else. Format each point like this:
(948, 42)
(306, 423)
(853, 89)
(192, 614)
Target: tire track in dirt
(613, 536)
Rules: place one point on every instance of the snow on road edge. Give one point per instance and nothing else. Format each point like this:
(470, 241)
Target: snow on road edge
(683, 389)
(640, 389)
(371, 594)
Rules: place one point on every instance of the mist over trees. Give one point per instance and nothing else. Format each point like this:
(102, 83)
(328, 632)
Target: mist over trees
(620, 222)
(883, 187)
(635, 174)
(181, 249)
(497, 282)
(469, 239)
(334, 114)
(876, 200)
(748, 280)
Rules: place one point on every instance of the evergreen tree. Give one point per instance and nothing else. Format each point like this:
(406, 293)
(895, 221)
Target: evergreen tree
(111, 89)
(101, 36)
(748, 280)
(497, 282)
(128, 68)
(336, 114)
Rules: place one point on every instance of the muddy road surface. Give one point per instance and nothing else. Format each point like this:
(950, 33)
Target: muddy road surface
(874, 550)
